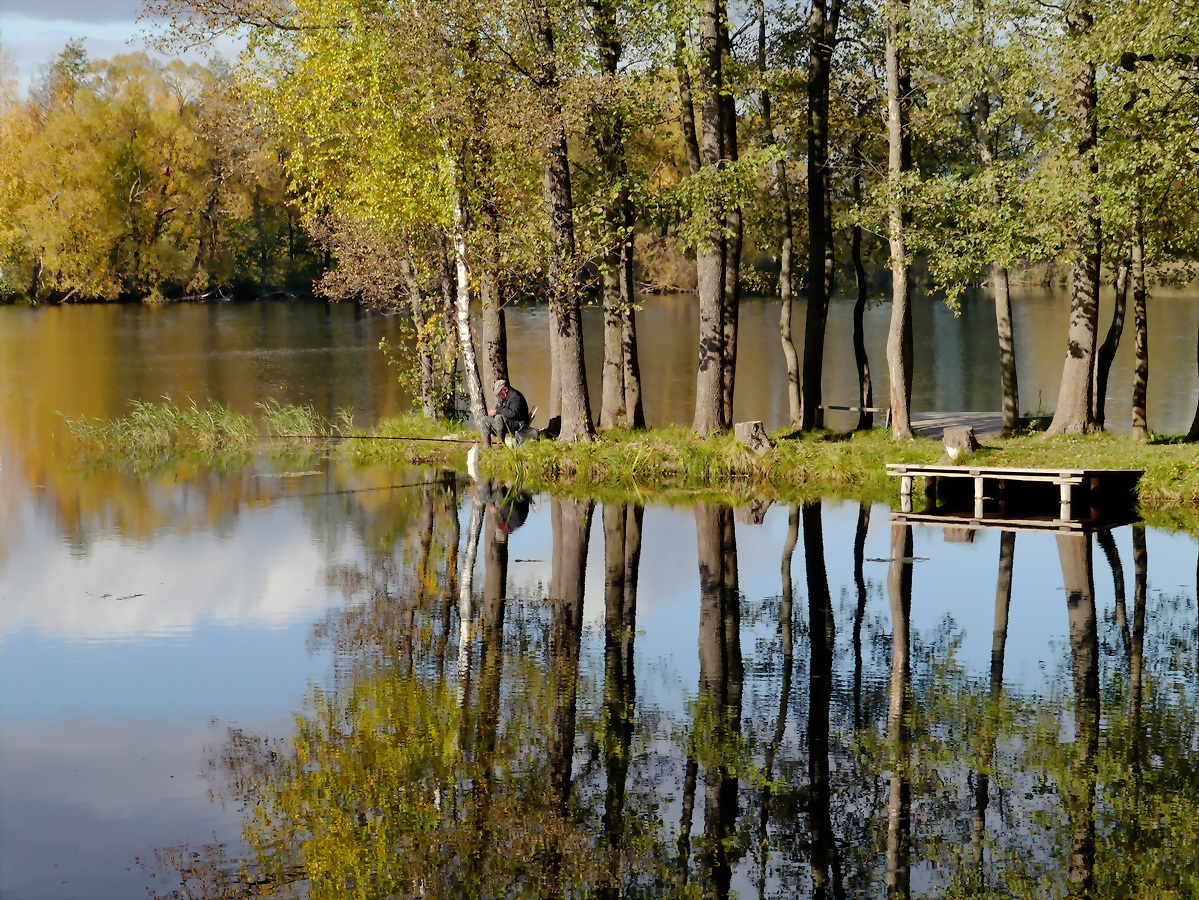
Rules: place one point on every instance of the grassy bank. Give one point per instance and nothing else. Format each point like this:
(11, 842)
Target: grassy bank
(663, 463)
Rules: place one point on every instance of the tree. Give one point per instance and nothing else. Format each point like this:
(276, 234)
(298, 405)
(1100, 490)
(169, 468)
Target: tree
(899, 165)
(566, 327)
(621, 393)
(822, 27)
(1075, 405)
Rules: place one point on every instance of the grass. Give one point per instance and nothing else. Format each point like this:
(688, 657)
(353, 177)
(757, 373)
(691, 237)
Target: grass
(665, 464)
(158, 427)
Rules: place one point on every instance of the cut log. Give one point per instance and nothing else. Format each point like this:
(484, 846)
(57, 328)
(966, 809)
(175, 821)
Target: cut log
(753, 436)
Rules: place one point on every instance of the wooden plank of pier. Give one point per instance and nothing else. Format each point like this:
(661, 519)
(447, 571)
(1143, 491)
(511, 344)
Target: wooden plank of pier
(1097, 481)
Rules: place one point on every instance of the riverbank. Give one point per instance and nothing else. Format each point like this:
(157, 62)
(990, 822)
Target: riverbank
(662, 463)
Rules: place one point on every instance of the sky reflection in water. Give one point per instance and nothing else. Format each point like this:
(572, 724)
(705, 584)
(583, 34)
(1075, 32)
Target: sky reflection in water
(141, 671)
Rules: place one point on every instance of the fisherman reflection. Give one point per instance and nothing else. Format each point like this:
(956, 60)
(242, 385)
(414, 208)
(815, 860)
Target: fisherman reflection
(508, 505)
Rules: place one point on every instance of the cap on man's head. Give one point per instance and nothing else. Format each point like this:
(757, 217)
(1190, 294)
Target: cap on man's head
(499, 385)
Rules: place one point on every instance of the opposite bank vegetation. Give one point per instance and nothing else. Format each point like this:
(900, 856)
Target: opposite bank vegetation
(671, 464)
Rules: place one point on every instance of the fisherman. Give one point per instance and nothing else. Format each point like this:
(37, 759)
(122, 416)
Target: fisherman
(510, 416)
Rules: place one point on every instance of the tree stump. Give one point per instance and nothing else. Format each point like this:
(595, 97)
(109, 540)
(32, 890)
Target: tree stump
(753, 436)
(959, 439)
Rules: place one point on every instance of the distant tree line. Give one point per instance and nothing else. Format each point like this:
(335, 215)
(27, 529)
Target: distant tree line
(469, 152)
(131, 178)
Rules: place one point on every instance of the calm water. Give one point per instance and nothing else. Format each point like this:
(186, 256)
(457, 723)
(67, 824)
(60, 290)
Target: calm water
(356, 682)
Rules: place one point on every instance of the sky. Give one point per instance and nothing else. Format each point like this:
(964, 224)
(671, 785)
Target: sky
(32, 32)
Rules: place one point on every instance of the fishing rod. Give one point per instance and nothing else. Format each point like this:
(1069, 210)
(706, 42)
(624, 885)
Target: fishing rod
(373, 437)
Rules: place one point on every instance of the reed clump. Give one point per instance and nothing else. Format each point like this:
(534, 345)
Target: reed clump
(157, 427)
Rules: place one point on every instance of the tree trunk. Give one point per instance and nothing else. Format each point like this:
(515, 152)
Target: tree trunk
(899, 163)
(466, 341)
(786, 251)
(565, 315)
(1007, 350)
(816, 320)
(686, 107)
(733, 233)
(428, 404)
(1193, 432)
(1111, 343)
(711, 255)
(861, 360)
(1010, 400)
(495, 331)
(1140, 324)
(1074, 412)
(621, 372)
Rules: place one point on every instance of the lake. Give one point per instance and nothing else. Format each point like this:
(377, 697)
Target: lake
(296, 676)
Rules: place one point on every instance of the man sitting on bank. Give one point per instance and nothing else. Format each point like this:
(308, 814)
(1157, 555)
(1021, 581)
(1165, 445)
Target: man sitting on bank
(511, 413)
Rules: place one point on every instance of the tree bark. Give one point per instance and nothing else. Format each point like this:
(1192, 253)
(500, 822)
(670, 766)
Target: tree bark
(1074, 412)
(495, 331)
(1007, 350)
(899, 163)
(1111, 342)
(466, 341)
(565, 314)
(816, 320)
(1140, 324)
(711, 253)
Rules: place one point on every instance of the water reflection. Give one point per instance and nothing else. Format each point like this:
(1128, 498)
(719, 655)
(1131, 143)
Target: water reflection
(471, 744)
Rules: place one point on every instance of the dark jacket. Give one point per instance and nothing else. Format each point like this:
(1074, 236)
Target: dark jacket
(513, 409)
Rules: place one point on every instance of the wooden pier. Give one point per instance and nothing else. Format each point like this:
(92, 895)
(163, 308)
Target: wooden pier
(1011, 497)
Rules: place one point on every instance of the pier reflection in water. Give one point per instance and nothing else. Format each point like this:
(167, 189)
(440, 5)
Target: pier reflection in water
(487, 733)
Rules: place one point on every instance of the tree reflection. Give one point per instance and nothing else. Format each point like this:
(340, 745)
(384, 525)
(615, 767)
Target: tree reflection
(897, 877)
(826, 865)
(718, 707)
(479, 741)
